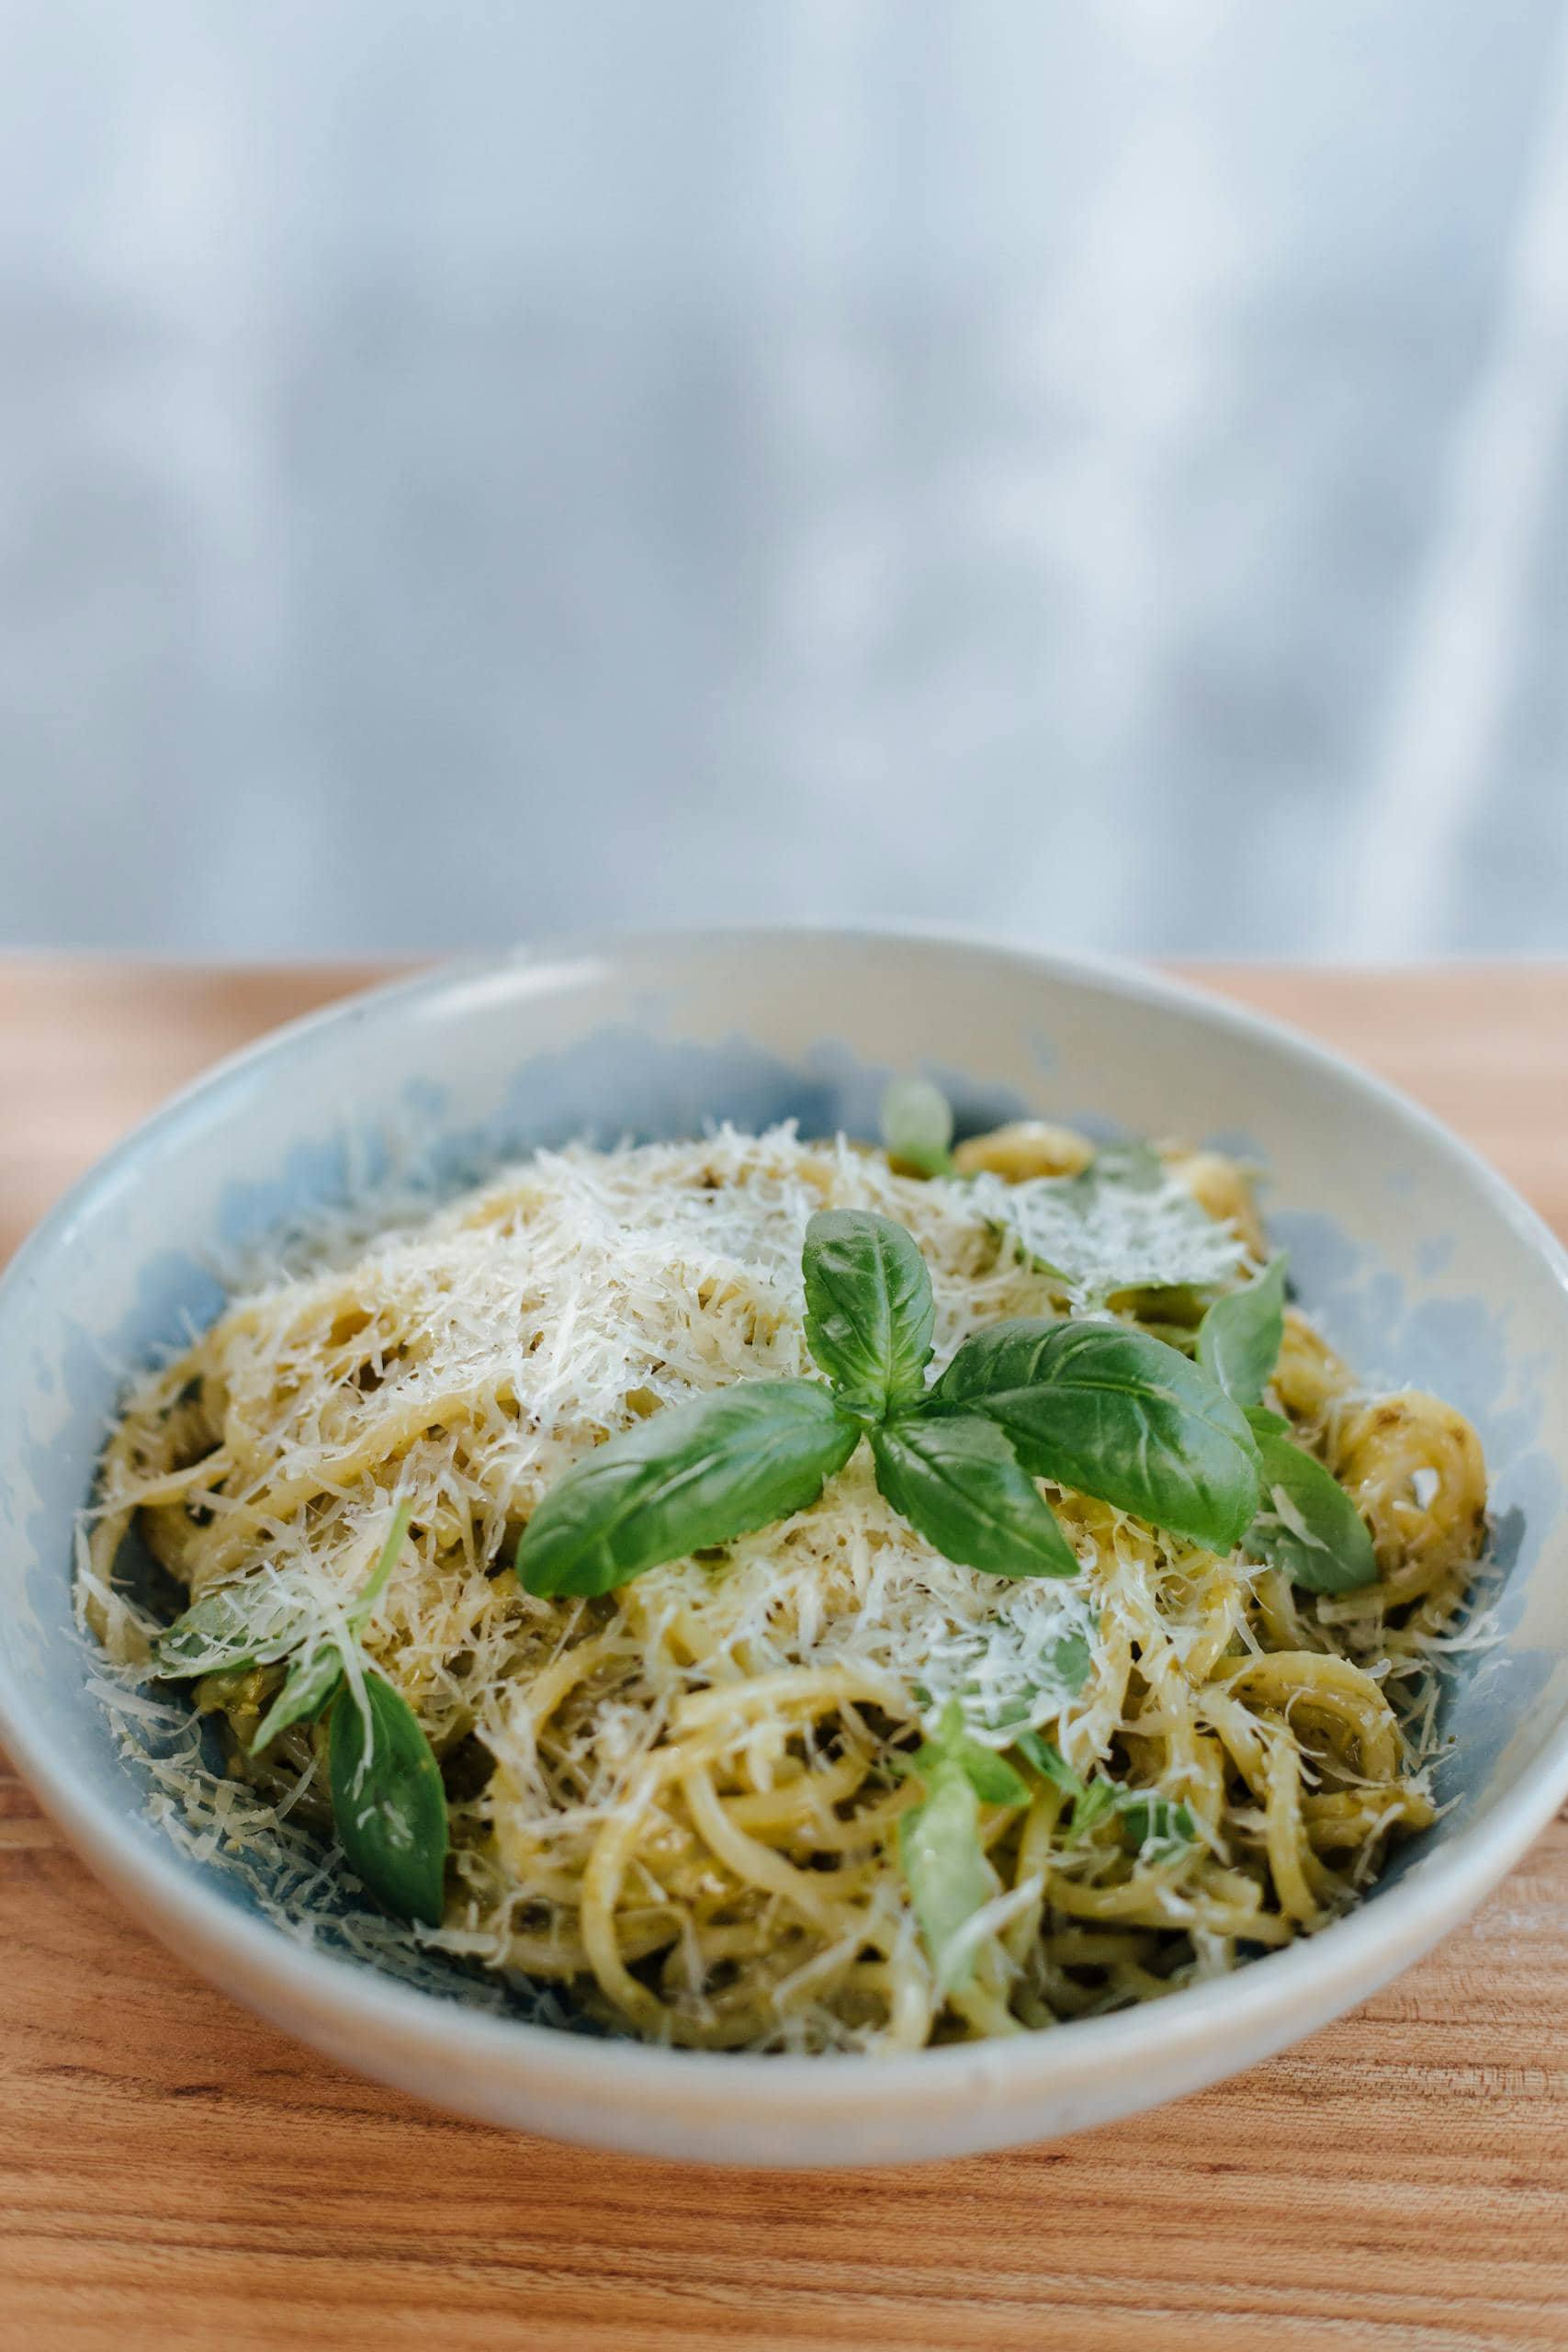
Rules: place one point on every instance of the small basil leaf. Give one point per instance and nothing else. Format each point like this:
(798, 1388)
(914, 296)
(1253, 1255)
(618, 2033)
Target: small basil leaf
(234, 1625)
(917, 1125)
(991, 1777)
(1066, 1664)
(1106, 1408)
(311, 1684)
(388, 1803)
(1308, 1525)
(697, 1475)
(869, 1310)
(1240, 1337)
(956, 1477)
(949, 1880)
(1072, 1657)
(1049, 1762)
(359, 1615)
(1148, 1821)
(1092, 1805)
(1263, 1423)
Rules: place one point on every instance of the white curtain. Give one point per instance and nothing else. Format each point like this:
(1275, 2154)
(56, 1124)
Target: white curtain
(1094, 471)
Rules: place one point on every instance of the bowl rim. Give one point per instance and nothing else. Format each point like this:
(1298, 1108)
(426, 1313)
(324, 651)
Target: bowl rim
(1256, 2008)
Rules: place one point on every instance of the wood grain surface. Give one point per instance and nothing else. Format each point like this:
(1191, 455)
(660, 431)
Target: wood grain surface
(175, 2174)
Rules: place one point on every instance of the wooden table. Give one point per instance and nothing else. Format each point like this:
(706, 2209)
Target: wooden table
(175, 2174)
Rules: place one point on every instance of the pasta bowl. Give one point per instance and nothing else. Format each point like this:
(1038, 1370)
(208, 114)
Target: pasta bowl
(1415, 1259)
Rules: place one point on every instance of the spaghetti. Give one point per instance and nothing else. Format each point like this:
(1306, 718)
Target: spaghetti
(680, 1801)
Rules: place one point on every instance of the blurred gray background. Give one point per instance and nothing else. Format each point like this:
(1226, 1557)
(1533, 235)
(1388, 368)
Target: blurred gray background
(1098, 471)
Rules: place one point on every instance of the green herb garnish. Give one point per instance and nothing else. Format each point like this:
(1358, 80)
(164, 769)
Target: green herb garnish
(1106, 1408)
(1146, 1821)
(388, 1803)
(309, 1689)
(315, 1673)
(869, 1311)
(232, 1626)
(939, 1840)
(956, 1478)
(1306, 1523)
(917, 1125)
(693, 1477)
(1096, 1406)
(1240, 1337)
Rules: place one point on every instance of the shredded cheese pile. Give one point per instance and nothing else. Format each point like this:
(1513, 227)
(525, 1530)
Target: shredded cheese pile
(678, 1803)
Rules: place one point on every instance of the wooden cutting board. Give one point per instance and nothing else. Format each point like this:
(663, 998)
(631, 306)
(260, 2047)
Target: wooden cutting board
(175, 2174)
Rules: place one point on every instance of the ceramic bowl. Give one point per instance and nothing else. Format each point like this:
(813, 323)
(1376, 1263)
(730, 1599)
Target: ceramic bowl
(1419, 1263)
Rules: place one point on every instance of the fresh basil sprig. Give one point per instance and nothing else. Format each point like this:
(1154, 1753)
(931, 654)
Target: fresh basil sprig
(939, 1840)
(315, 1673)
(718, 1466)
(1106, 1408)
(1306, 1523)
(389, 1802)
(309, 1689)
(1153, 1825)
(1100, 1407)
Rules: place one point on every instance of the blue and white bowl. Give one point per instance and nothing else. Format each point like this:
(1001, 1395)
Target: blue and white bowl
(1419, 1263)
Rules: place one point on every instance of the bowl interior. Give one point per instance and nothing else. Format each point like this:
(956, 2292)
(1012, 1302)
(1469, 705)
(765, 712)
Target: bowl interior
(1419, 1266)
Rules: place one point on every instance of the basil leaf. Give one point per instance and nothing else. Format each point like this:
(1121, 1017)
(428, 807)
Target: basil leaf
(1072, 1657)
(313, 1682)
(694, 1475)
(1308, 1525)
(1049, 1762)
(1092, 1805)
(234, 1625)
(388, 1803)
(948, 1878)
(956, 1477)
(1110, 1410)
(1240, 1338)
(1263, 1423)
(938, 1839)
(1145, 1819)
(1148, 1821)
(869, 1310)
(917, 1125)
(991, 1777)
